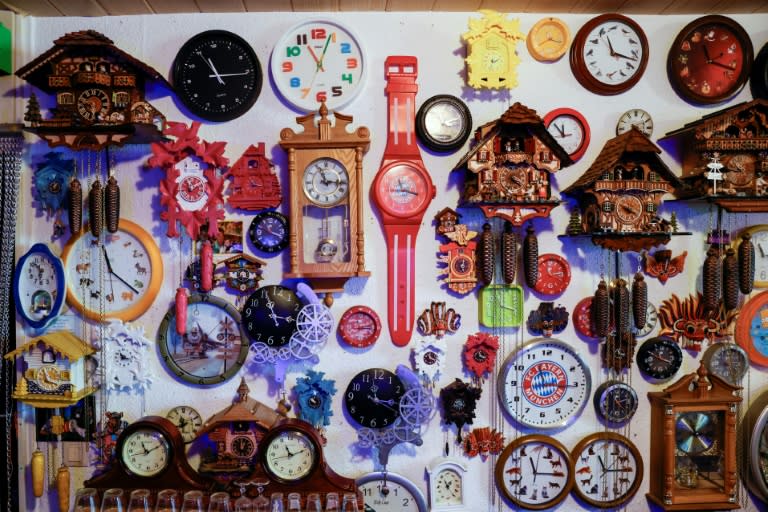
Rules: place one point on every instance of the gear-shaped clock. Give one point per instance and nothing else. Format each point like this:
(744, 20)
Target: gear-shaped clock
(127, 356)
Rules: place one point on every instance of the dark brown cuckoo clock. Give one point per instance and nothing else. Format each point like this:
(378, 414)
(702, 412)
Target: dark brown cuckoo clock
(99, 91)
(509, 168)
(621, 192)
(254, 181)
(725, 157)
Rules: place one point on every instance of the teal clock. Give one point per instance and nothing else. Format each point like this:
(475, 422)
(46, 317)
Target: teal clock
(501, 305)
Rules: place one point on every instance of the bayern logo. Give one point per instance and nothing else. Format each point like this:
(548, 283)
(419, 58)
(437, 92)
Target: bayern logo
(544, 384)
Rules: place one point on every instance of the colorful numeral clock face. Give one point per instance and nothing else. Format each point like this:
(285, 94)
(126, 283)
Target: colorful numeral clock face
(318, 61)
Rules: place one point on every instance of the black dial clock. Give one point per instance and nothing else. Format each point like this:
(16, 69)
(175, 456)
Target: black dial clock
(443, 123)
(615, 401)
(373, 397)
(269, 315)
(659, 357)
(217, 75)
(758, 80)
(269, 231)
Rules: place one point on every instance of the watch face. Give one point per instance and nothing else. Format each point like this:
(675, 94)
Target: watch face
(403, 190)
(359, 326)
(443, 123)
(145, 452)
(217, 75)
(638, 118)
(290, 455)
(710, 60)
(269, 231)
(390, 492)
(187, 420)
(501, 306)
(39, 286)
(545, 384)
(728, 361)
(269, 315)
(629, 209)
(213, 347)
(548, 39)
(609, 54)
(373, 397)
(127, 283)
(326, 182)
(554, 274)
(535, 472)
(608, 469)
(615, 401)
(752, 328)
(570, 129)
(243, 446)
(659, 357)
(318, 61)
(93, 105)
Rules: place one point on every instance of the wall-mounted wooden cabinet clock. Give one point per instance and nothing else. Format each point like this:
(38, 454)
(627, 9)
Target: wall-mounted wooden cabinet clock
(325, 174)
(620, 194)
(693, 444)
(491, 51)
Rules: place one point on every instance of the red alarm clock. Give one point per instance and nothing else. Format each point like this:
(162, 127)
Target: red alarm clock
(359, 326)
(554, 274)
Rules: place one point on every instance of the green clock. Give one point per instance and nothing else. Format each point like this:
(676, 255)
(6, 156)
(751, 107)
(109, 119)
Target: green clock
(501, 305)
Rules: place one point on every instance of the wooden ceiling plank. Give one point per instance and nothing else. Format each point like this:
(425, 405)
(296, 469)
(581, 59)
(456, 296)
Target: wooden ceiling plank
(644, 6)
(40, 8)
(173, 6)
(409, 5)
(509, 5)
(456, 5)
(362, 5)
(691, 7)
(268, 5)
(79, 7)
(122, 7)
(315, 5)
(221, 5)
(737, 6)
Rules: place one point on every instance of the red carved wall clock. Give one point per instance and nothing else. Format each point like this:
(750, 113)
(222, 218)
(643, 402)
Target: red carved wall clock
(192, 190)
(254, 181)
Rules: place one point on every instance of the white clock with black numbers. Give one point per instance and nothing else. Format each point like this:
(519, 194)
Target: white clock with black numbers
(446, 485)
(545, 384)
(390, 492)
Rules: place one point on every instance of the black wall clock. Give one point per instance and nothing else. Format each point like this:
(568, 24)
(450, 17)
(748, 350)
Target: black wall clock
(217, 75)
(758, 81)
(443, 123)
(269, 315)
(373, 397)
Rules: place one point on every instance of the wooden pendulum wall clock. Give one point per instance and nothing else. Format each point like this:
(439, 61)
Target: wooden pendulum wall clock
(325, 174)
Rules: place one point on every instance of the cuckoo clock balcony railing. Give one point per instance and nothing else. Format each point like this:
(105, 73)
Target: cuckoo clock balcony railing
(124, 81)
(59, 81)
(732, 144)
(92, 78)
(629, 185)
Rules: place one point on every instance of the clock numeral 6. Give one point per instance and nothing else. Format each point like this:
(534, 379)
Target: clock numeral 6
(321, 96)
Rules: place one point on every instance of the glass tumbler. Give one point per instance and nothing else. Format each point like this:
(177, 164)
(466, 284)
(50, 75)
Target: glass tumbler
(261, 504)
(243, 504)
(332, 502)
(168, 500)
(112, 501)
(86, 500)
(138, 501)
(349, 502)
(193, 502)
(219, 502)
(276, 502)
(314, 503)
(294, 502)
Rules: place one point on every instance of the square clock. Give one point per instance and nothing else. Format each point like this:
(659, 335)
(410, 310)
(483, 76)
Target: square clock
(501, 305)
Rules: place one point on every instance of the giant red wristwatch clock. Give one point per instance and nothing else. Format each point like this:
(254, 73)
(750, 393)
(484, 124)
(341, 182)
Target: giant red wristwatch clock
(402, 190)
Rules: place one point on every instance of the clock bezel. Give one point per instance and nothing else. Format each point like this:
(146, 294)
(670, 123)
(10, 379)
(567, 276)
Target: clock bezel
(257, 219)
(289, 428)
(657, 340)
(533, 46)
(345, 319)
(553, 115)
(61, 284)
(426, 137)
(168, 432)
(389, 476)
(742, 333)
(437, 467)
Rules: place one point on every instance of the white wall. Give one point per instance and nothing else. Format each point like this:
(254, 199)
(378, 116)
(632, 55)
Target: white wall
(435, 39)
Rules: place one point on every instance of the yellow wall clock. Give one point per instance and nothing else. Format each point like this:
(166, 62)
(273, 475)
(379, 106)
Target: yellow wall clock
(548, 39)
(491, 55)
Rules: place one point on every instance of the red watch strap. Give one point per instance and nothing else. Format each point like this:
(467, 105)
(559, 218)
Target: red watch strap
(401, 72)
(401, 278)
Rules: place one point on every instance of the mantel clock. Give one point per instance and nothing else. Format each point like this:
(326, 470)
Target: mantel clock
(693, 444)
(325, 174)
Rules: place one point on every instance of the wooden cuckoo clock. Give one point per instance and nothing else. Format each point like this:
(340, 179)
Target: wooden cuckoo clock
(507, 172)
(244, 272)
(325, 171)
(192, 190)
(724, 157)
(620, 194)
(99, 92)
(693, 444)
(254, 181)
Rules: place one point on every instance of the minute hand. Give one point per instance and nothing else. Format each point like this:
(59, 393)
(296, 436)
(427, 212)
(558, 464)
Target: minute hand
(230, 74)
(109, 269)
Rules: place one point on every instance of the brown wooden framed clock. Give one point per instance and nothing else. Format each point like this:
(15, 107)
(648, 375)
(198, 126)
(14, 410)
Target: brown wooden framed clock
(325, 174)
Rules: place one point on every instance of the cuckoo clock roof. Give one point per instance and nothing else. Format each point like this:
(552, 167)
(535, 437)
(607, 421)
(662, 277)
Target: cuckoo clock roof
(492, 22)
(244, 409)
(64, 342)
(757, 108)
(631, 142)
(247, 257)
(85, 43)
(253, 152)
(447, 211)
(516, 118)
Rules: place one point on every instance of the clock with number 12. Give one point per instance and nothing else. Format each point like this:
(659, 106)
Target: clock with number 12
(318, 61)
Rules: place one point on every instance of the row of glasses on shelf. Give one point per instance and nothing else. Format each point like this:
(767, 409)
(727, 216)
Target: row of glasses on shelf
(170, 500)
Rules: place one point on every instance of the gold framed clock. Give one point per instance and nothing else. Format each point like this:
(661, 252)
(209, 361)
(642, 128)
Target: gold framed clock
(325, 171)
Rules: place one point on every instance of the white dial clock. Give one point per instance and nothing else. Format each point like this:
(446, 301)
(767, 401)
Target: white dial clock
(127, 354)
(390, 492)
(187, 420)
(638, 118)
(326, 182)
(290, 455)
(446, 484)
(39, 286)
(569, 129)
(145, 452)
(760, 241)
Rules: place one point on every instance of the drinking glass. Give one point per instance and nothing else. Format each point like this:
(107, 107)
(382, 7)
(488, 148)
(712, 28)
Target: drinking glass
(294, 502)
(219, 502)
(139, 501)
(261, 504)
(243, 504)
(276, 502)
(332, 502)
(168, 501)
(86, 500)
(314, 504)
(112, 501)
(193, 502)
(349, 502)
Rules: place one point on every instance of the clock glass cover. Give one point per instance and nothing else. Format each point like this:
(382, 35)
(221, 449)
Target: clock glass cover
(372, 398)
(501, 305)
(728, 361)
(659, 357)
(290, 455)
(699, 443)
(443, 123)
(615, 401)
(318, 61)
(449, 490)
(545, 384)
(145, 452)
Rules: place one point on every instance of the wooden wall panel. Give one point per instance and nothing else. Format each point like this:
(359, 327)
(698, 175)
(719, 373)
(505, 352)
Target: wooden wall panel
(506, 5)
(315, 5)
(121, 7)
(691, 6)
(32, 7)
(362, 5)
(409, 5)
(221, 5)
(456, 5)
(173, 6)
(267, 5)
(79, 8)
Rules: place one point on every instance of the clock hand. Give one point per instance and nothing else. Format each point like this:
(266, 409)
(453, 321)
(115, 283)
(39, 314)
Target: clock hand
(112, 272)
(706, 53)
(325, 49)
(720, 64)
(318, 62)
(610, 46)
(217, 75)
(230, 74)
(624, 56)
(602, 464)
(657, 356)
